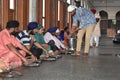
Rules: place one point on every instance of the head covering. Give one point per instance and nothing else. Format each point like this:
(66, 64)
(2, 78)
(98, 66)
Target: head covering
(52, 29)
(68, 1)
(93, 10)
(118, 31)
(71, 8)
(12, 24)
(97, 15)
(57, 31)
(40, 26)
(32, 25)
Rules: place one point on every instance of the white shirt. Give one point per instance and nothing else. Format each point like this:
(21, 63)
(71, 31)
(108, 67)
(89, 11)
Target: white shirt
(48, 36)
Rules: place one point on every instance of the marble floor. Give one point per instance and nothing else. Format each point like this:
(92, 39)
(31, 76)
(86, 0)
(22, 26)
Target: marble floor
(102, 64)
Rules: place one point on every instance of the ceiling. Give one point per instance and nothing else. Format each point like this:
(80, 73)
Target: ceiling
(103, 3)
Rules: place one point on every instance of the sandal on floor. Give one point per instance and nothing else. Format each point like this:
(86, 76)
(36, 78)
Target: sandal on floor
(85, 55)
(76, 54)
(11, 74)
(56, 56)
(34, 64)
(73, 54)
(49, 59)
(38, 61)
(6, 75)
(15, 74)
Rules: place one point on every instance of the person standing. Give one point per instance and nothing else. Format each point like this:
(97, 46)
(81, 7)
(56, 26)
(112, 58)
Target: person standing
(96, 33)
(87, 23)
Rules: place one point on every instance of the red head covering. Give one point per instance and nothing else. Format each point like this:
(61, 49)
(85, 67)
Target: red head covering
(93, 10)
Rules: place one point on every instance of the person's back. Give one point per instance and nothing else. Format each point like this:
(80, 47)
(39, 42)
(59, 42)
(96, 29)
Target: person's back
(24, 38)
(85, 17)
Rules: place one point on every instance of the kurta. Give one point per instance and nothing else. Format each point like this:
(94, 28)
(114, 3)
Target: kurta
(10, 58)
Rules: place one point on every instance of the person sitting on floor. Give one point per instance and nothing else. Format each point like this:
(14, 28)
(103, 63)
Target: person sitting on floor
(63, 35)
(27, 38)
(49, 35)
(39, 37)
(12, 53)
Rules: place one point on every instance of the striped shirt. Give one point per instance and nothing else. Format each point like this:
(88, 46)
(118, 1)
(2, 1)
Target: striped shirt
(24, 38)
(84, 16)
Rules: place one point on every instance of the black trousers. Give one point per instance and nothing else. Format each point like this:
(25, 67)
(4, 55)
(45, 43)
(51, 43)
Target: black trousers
(52, 45)
(36, 51)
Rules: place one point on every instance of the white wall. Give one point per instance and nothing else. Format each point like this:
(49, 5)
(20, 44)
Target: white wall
(111, 11)
(32, 10)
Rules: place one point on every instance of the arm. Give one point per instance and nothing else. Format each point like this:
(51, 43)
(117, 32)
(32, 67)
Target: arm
(74, 29)
(27, 51)
(3, 66)
(31, 43)
(39, 46)
(15, 51)
(75, 26)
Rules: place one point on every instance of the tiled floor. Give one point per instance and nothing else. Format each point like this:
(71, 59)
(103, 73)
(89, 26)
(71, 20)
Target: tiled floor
(102, 64)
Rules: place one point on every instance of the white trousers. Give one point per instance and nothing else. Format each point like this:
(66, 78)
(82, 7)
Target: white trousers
(95, 39)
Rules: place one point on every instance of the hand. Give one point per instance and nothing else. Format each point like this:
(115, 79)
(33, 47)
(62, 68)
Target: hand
(77, 29)
(45, 45)
(47, 54)
(25, 61)
(33, 58)
(32, 37)
(4, 65)
(71, 32)
(66, 48)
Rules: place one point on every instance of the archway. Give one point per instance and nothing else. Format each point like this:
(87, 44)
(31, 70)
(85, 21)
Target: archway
(104, 22)
(118, 20)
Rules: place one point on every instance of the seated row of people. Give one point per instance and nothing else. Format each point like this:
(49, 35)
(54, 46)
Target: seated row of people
(16, 50)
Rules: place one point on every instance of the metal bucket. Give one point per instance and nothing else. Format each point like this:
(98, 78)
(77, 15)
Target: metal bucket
(72, 41)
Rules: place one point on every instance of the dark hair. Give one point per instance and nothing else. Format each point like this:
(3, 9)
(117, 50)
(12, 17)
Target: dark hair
(66, 28)
(12, 24)
(78, 3)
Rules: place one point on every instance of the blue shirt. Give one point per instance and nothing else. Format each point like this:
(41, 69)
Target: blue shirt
(85, 18)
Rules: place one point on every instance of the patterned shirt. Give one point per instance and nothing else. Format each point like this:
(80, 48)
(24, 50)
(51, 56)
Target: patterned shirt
(85, 18)
(24, 38)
